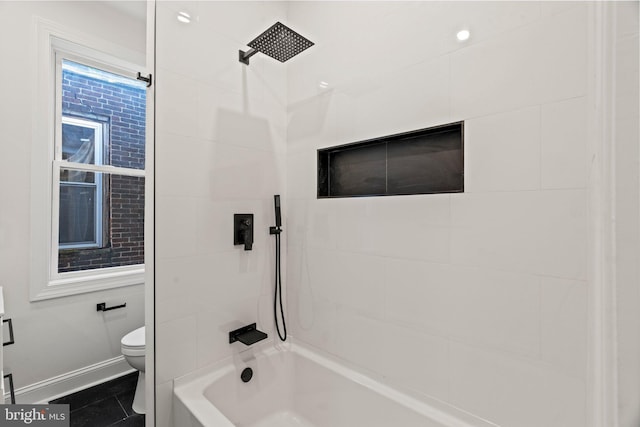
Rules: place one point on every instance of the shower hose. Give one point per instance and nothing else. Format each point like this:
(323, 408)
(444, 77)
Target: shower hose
(277, 297)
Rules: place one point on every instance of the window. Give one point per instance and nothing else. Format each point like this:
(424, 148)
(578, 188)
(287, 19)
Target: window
(100, 213)
(95, 184)
(81, 193)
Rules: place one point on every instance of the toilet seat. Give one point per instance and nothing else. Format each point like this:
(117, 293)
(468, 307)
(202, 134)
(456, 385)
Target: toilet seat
(133, 344)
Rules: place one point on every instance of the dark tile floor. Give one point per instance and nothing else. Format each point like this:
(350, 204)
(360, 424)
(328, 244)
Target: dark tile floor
(105, 405)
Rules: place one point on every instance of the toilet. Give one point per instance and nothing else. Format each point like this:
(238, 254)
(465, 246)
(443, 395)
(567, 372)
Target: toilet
(133, 348)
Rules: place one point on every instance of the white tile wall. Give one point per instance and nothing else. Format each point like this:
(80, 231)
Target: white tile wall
(178, 114)
(321, 120)
(176, 218)
(484, 290)
(512, 391)
(164, 413)
(404, 227)
(358, 339)
(220, 145)
(495, 309)
(534, 232)
(417, 294)
(177, 180)
(484, 293)
(563, 144)
(388, 107)
(360, 284)
(318, 319)
(419, 361)
(564, 325)
(175, 348)
(390, 36)
(489, 308)
(491, 145)
(538, 63)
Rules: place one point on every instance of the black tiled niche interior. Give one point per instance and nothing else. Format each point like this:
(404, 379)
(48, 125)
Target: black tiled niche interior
(424, 161)
(104, 405)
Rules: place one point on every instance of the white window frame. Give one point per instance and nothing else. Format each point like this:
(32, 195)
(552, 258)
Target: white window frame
(55, 43)
(98, 132)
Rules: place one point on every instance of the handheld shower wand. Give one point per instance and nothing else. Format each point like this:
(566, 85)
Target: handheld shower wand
(278, 227)
(276, 202)
(277, 297)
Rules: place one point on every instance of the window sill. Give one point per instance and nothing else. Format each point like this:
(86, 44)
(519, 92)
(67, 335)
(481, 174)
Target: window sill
(97, 280)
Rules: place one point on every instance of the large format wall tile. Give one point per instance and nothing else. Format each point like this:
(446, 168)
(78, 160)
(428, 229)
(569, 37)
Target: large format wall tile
(495, 309)
(538, 63)
(564, 144)
(417, 294)
(175, 348)
(514, 392)
(563, 325)
(502, 151)
(534, 232)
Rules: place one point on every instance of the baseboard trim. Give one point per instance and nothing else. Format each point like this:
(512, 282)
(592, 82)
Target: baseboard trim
(61, 385)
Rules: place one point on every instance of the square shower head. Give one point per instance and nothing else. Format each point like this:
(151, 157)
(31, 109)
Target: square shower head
(280, 42)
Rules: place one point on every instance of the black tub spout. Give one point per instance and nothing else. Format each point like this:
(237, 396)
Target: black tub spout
(247, 335)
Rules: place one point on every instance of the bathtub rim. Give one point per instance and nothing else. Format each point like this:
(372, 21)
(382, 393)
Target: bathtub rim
(190, 389)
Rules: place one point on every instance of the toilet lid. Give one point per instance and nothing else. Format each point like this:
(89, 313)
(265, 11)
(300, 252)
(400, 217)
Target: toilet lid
(134, 338)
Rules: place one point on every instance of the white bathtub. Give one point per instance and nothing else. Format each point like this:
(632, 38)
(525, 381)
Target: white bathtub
(297, 387)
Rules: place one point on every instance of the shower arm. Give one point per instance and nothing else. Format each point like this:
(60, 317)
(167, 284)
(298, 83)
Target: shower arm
(244, 56)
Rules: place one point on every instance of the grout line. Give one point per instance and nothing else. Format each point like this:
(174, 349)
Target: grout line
(84, 406)
(102, 399)
(126, 415)
(540, 144)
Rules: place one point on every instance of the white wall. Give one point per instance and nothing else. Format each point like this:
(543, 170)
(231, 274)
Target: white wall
(220, 150)
(627, 135)
(56, 336)
(478, 299)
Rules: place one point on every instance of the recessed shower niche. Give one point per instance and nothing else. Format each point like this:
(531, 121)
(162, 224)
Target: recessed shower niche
(423, 161)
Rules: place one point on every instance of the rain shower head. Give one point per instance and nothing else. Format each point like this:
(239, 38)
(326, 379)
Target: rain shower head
(279, 42)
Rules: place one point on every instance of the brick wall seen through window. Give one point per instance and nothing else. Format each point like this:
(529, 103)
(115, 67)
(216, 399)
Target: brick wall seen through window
(121, 107)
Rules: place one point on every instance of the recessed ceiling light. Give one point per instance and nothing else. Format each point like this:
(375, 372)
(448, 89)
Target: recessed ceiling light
(323, 85)
(463, 35)
(184, 17)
